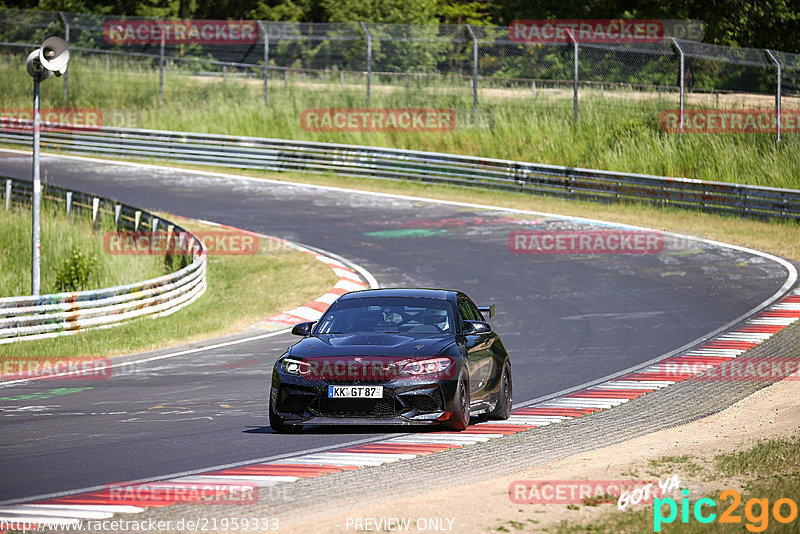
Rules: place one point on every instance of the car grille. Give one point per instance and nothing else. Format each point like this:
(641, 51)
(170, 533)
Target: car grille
(295, 401)
(345, 407)
(426, 402)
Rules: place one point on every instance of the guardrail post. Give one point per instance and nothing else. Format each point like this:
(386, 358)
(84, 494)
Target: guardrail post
(66, 38)
(69, 202)
(682, 82)
(264, 31)
(117, 211)
(137, 217)
(574, 75)
(474, 70)
(369, 59)
(154, 225)
(777, 92)
(8, 194)
(95, 208)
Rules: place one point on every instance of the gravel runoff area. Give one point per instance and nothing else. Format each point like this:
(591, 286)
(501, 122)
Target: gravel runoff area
(307, 499)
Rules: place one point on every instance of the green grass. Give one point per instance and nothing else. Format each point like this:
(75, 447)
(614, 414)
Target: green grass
(59, 236)
(241, 290)
(616, 132)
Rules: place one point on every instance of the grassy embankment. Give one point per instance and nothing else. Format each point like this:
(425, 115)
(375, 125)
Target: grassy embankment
(242, 289)
(615, 130)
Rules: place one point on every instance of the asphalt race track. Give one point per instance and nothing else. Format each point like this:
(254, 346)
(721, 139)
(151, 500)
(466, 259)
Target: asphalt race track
(565, 320)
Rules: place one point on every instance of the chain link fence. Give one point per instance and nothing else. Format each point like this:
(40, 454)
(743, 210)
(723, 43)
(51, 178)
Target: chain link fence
(467, 67)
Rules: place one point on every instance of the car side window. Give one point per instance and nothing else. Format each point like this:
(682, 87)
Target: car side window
(475, 311)
(465, 311)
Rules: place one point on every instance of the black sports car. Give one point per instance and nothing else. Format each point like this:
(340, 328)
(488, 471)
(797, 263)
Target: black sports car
(393, 356)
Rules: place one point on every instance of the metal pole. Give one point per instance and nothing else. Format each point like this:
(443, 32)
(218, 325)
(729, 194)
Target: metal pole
(161, 63)
(533, 89)
(37, 190)
(266, 58)
(66, 38)
(575, 76)
(777, 92)
(474, 70)
(682, 82)
(369, 60)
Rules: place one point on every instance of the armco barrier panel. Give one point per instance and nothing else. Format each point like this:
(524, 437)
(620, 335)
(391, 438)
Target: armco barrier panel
(41, 316)
(397, 164)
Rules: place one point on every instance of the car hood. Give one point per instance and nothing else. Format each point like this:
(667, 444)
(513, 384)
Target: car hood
(400, 345)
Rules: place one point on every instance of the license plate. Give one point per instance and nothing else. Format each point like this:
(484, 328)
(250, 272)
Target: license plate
(355, 392)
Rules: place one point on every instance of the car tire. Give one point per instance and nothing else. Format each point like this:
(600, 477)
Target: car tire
(459, 419)
(279, 426)
(504, 397)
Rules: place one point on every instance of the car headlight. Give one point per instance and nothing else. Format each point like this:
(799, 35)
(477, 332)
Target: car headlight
(295, 367)
(424, 367)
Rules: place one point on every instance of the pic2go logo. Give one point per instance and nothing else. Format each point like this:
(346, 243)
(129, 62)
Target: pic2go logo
(756, 521)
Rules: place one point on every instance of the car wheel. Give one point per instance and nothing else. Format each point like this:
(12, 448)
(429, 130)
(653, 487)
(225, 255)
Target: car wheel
(459, 420)
(504, 396)
(279, 426)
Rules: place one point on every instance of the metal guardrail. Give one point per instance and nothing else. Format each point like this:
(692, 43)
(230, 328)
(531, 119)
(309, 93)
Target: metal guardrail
(396, 164)
(35, 317)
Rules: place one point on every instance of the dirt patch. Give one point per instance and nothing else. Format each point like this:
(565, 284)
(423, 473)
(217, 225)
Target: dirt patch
(485, 506)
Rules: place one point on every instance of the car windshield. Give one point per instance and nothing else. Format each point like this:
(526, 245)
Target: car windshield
(408, 315)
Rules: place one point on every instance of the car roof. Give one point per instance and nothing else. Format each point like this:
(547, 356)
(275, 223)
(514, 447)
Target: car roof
(441, 294)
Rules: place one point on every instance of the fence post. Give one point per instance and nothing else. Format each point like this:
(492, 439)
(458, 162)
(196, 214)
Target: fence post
(69, 202)
(533, 89)
(264, 31)
(369, 59)
(95, 208)
(574, 76)
(683, 85)
(777, 91)
(161, 62)
(8, 193)
(474, 69)
(66, 38)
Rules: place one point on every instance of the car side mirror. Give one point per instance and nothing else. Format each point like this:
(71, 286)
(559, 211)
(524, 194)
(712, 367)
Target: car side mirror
(303, 329)
(476, 327)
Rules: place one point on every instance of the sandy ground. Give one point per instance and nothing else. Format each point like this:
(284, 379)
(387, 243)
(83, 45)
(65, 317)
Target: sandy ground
(485, 506)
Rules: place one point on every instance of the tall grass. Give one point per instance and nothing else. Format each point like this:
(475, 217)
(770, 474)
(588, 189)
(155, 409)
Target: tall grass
(59, 237)
(613, 131)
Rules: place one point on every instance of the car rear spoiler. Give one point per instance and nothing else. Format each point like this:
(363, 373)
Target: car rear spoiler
(487, 311)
